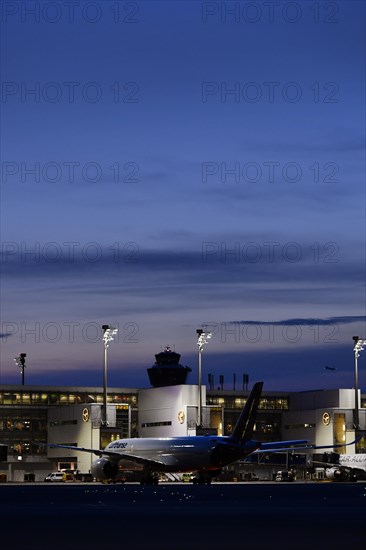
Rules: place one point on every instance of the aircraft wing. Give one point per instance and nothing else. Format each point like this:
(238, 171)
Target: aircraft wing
(275, 446)
(114, 454)
(296, 445)
(97, 452)
(330, 464)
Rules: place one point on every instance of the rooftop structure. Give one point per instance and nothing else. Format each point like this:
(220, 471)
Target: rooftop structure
(167, 371)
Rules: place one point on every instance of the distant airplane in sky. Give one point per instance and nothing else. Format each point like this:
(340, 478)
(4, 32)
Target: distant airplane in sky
(205, 455)
(329, 368)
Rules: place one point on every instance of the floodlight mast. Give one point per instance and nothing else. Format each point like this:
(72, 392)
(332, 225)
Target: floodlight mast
(108, 333)
(202, 339)
(20, 362)
(357, 348)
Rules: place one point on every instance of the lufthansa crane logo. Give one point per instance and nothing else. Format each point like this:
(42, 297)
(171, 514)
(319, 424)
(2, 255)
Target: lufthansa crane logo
(326, 419)
(85, 414)
(181, 417)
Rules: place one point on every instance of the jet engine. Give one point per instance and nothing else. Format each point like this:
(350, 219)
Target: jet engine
(334, 474)
(103, 469)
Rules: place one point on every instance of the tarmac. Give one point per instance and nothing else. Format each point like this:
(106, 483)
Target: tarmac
(182, 516)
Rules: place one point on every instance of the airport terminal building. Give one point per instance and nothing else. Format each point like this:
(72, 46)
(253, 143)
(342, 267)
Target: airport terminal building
(32, 417)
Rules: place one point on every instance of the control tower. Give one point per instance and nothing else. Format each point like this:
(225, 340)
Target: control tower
(167, 371)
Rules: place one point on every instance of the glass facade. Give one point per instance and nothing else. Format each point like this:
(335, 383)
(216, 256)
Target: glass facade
(63, 398)
(237, 402)
(23, 415)
(269, 416)
(24, 430)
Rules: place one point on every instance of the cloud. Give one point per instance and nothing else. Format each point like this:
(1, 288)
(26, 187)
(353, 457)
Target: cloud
(154, 279)
(348, 319)
(330, 145)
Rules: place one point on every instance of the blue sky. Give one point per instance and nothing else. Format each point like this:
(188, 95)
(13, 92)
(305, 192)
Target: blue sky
(173, 165)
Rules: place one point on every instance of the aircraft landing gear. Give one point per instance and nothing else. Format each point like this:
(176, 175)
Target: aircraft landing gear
(151, 479)
(202, 480)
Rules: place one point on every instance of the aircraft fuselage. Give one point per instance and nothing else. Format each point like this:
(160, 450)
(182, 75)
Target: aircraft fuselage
(179, 454)
(357, 461)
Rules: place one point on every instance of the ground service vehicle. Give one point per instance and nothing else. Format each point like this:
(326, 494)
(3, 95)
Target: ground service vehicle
(284, 475)
(187, 477)
(250, 476)
(55, 476)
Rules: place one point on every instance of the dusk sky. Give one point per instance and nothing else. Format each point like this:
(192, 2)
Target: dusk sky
(168, 166)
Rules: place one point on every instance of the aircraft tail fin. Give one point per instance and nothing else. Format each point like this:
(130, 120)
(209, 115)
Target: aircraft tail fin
(244, 426)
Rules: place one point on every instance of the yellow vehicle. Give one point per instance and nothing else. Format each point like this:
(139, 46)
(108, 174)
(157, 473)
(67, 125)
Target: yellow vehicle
(187, 477)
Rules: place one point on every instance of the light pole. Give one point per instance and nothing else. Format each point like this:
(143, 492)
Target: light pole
(20, 362)
(358, 346)
(202, 339)
(108, 333)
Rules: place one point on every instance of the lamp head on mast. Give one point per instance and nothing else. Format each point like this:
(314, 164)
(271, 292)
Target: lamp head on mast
(202, 338)
(108, 334)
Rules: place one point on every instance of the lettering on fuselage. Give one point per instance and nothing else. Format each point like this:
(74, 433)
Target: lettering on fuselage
(352, 458)
(117, 445)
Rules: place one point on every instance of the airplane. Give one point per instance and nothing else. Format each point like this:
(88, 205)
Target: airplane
(204, 454)
(347, 467)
